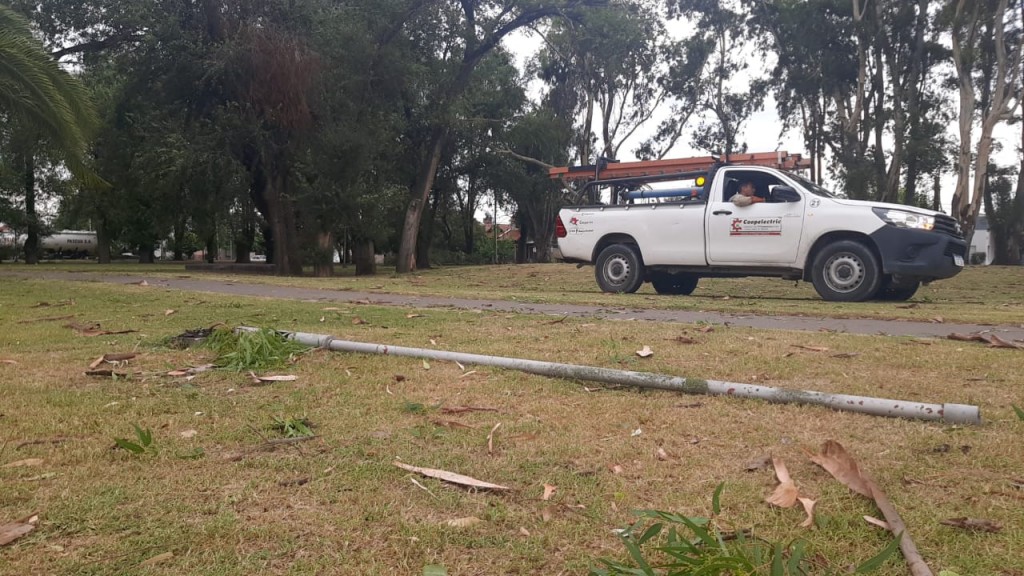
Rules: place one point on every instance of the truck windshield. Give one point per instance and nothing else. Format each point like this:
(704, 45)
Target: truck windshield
(812, 187)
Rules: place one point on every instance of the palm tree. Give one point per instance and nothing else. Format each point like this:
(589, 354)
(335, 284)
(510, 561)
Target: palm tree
(37, 94)
(39, 101)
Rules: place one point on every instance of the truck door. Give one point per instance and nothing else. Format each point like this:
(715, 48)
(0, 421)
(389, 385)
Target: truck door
(762, 234)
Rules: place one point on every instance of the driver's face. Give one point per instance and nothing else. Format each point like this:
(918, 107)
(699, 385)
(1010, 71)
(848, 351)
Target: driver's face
(747, 189)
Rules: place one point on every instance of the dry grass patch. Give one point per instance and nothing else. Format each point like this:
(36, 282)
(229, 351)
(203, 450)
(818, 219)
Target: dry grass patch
(222, 504)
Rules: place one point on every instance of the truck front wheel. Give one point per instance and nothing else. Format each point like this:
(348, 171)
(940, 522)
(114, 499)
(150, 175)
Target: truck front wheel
(846, 271)
(619, 269)
(893, 291)
(676, 284)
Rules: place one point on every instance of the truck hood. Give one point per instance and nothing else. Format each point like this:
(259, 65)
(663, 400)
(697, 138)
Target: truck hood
(869, 204)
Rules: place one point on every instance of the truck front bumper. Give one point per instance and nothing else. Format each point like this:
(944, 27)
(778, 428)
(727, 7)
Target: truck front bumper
(920, 254)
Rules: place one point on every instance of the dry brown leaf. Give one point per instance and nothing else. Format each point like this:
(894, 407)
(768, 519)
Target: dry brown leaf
(451, 477)
(157, 559)
(188, 434)
(997, 342)
(399, 378)
(616, 469)
(268, 379)
(463, 522)
(24, 463)
(490, 438)
(707, 329)
(426, 365)
(975, 524)
(786, 492)
(169, 312)
(811, 348)
(411, 316)
(938, 320)
(661, 454)
(837, 462)
(118, 357)
(452, 424)
(758, 463)
(809, 509)
(96, 363)
(646, 352)
(876, 522)
(14, 530)
(142, 283)
(524, 532)
(9, 362)
(548, 513)
(359, 321)
(549, 490)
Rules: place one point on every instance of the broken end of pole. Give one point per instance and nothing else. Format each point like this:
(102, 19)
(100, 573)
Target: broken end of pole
(961, 414)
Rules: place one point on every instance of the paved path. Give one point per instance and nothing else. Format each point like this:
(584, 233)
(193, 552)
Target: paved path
(241, 288)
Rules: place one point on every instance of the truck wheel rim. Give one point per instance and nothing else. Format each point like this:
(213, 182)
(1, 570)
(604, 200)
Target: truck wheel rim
(844, 272)
(616, 270)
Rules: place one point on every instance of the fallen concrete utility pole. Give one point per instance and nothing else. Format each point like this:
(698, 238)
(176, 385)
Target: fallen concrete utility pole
(949, 413)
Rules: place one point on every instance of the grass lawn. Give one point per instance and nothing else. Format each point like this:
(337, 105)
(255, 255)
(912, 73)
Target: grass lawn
(980, 294)
(211, 496)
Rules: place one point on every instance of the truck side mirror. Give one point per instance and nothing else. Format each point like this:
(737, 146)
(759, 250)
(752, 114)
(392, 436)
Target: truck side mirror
(785, 194)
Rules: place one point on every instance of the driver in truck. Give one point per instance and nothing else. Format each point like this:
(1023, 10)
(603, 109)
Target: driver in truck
(746, 196)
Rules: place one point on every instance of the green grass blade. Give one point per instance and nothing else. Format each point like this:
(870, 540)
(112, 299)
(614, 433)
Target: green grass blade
(1019, 411)
(716, 500)
(882, 557)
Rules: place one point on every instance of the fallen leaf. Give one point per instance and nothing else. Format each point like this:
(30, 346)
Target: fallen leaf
(646, 352)
(549, 490)
(938, 320)
(463, 522)
(758, 463)
(359, 321)
(451, 477)
(426, 365)
(876, 522)
(548, 513)
(811, 348)
(96, 363)
(188, 434)
(267, 379)
(14, 530)
(112, 358)
(976, 524)
(490, 438)
(24, 463)
(786, 492)
(842, 467)
(661, 454)
(399, 378)
(142, 283)
(615, 469)
(169, 312)
(470, 373)
(157, 559)
(707, 329)
(997, 342)
(524, 532)
(411, 316)
(809, 509)
(452, 424)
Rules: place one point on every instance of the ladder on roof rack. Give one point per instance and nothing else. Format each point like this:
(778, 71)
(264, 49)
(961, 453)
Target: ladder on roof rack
(614, 170)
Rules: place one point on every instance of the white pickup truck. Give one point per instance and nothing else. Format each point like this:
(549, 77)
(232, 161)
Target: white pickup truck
(850, 250)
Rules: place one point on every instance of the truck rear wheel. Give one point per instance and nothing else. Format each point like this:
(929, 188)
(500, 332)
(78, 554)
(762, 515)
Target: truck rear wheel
(846, 271)
(619, 269)
(675, 284)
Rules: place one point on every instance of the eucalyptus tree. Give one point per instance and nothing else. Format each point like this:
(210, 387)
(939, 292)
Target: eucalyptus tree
(987, 40)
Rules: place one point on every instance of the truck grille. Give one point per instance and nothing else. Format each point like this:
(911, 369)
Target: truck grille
(947, 226)
(953, 249)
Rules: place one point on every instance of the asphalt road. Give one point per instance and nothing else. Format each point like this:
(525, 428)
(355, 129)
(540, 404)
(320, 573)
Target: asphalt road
(240, 287)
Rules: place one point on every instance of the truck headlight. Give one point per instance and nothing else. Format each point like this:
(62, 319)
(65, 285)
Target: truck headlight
(904, 219)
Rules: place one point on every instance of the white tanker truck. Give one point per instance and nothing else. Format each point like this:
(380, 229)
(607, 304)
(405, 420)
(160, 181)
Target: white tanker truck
(61, 244)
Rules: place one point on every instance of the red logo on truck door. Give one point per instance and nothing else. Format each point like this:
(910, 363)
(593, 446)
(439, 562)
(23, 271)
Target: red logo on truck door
(756, 227)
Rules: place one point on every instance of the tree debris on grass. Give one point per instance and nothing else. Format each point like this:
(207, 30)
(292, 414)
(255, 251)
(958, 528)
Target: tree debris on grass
(24, 463)
(95, 329)
(786, 493)
(116, 359)
(465, 409)
(991, 339)
(838, 462)
(269, 379)
(13, 530)
(451, 477)
(490, 438)
(47, 319)
(645, 352)
(974, 524)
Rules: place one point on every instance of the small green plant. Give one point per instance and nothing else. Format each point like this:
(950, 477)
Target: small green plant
(675, 545)
(262, 349)
(143, 446)
(1019, 411)
(292, 427)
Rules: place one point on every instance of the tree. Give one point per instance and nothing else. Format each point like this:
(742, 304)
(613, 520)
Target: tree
(982, 49)
(481, 26)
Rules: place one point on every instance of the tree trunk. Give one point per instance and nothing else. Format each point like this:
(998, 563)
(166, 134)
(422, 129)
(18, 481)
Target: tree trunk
(323, 266)
(282, 224)
(31, 246)
(211, 248)
(363, 254)
(419, 197)
(179, 240)
(145, 254)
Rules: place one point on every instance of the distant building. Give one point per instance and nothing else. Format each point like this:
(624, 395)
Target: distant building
(982, 251)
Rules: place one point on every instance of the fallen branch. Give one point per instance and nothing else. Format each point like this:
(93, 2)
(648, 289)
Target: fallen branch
(838, 462)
